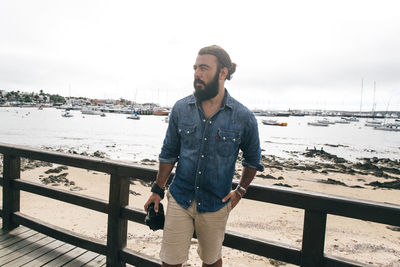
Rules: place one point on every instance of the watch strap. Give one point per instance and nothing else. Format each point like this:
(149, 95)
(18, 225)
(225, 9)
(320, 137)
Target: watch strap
(155, 188)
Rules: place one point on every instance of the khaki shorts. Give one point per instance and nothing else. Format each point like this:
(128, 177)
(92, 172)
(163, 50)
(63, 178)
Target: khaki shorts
(178, 232)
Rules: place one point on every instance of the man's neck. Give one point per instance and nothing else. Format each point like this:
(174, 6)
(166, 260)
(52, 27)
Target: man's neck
(211, 106)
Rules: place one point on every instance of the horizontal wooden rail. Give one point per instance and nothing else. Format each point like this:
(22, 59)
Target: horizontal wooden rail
(335, 205)
(62, 195)
(146, 174)
(133, 214)
(257, 246)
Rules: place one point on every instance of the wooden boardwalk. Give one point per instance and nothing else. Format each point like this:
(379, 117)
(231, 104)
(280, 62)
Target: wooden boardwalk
(25, 247)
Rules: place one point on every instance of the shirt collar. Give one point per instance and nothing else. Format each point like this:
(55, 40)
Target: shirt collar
(226, 102)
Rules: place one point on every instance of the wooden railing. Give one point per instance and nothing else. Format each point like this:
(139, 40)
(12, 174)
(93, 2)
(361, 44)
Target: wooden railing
(315, 205)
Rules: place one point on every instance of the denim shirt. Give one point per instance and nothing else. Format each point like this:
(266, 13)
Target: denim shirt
(207, 149)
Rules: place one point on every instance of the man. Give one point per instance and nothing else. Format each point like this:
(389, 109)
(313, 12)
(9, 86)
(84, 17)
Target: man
(205, 132)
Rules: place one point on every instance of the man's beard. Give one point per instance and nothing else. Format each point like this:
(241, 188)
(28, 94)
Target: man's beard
(210, 90)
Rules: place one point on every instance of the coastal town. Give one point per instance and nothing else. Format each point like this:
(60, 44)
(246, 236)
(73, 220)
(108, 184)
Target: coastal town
(125, 106)
(45, 100)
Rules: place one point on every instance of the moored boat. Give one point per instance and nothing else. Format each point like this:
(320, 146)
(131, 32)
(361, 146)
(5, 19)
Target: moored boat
(318, 123)
(67, 114)
(298, 114)
(134, 117)
(325, 121)
(282, 114)
(160, 112)
(373, 123)
(351, 119)
(274, 123)
(342, 121)
(388, 127)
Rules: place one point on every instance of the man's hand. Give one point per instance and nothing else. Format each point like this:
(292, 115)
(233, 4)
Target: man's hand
(247, 176)
(234, 197)
(164, 171)
(153, 198)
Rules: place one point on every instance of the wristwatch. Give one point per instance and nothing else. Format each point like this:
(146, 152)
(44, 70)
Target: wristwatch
(241, 190)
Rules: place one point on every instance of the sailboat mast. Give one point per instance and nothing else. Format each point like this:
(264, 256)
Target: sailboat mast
(69, 98)
(362, 87)
(374, 104)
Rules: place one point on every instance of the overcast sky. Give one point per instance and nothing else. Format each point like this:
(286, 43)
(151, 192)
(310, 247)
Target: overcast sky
(290, 54)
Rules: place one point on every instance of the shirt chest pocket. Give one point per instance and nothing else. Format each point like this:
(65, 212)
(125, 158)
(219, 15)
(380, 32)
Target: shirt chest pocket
(227, 142)
(188, 136)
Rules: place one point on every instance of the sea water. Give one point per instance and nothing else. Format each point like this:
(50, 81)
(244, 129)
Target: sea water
(134, 140)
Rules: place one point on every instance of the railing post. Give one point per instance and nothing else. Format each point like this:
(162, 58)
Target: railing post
(11, 196)
(117, 227)
(312, 251)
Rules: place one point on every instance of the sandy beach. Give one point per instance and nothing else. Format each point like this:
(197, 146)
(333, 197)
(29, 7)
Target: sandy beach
(366, 242)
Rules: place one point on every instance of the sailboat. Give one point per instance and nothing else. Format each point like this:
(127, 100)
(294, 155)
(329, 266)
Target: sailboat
(373, 122)
(134, 116)
(342, 121)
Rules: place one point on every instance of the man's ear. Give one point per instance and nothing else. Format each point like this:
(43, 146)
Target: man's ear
(223, 73)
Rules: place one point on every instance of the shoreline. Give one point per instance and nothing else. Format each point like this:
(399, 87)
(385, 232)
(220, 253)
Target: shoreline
(366, 242)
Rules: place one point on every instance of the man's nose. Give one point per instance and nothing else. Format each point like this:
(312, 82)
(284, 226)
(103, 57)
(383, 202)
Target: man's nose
(196, 74)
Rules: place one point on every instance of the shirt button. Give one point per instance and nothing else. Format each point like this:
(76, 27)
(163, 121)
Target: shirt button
(224, 138)
(205, 138)
(210, 122)
(187, 132)
(202, 156)
(199, 172)
(204, 120)
(198, 204)
(197, 187)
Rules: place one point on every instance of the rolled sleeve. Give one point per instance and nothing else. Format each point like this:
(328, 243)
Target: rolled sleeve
(251, 145)
(171, 145)
(167, 161)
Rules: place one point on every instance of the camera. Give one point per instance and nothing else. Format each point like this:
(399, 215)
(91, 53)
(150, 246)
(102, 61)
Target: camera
(155, 220)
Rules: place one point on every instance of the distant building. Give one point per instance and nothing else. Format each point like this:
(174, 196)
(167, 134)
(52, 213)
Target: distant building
(78, 102)
(98, 102)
